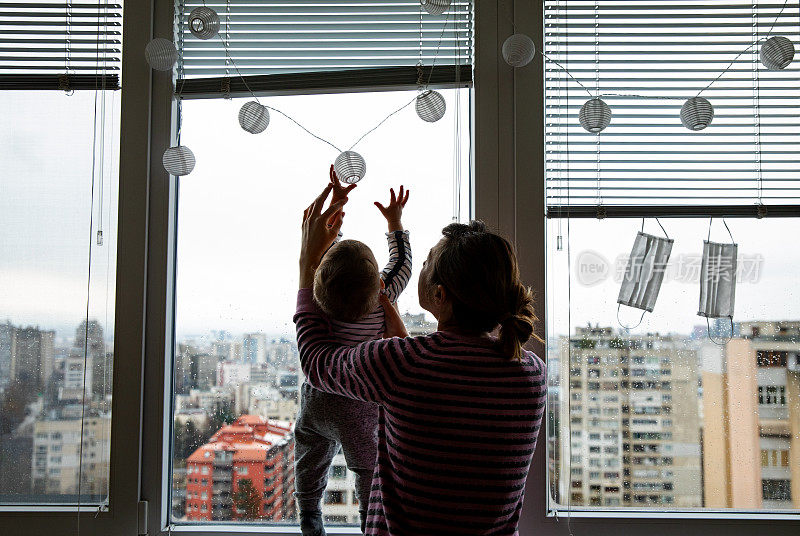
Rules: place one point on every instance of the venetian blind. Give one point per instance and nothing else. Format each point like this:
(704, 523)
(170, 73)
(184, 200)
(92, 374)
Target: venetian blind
(664, 53)
(60, 45)
(306, 44)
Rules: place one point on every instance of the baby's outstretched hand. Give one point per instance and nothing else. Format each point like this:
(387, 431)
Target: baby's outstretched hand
(394, 211)
(339, 191)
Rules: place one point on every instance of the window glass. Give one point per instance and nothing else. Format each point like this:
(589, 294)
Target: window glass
(236, 370)
(699, 410)
(58, 206)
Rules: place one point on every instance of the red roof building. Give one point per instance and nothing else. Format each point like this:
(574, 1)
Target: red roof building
(251, 448)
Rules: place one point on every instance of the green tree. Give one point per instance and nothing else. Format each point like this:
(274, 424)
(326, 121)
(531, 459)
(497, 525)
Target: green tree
(223, 414)
(14, 405)
(188, 438)
(247, 500)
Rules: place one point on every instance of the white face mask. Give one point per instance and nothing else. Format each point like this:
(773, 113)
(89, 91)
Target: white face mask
(645, 271)
(718, 280)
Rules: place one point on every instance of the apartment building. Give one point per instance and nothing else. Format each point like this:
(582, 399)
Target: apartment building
(61, 465)
(751, 404)
(244, 472)
(628, 421)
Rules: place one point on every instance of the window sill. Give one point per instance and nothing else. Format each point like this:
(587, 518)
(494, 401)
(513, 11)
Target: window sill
(673, 514)
(273, 530)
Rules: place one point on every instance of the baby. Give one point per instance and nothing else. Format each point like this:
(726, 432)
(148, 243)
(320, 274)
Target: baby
(347, 285)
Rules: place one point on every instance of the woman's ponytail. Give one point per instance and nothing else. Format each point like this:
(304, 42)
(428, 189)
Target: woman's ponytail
(516, 326)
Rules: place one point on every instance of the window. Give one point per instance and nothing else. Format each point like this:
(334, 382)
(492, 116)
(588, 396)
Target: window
(772, 395)
(235, 361)
(334, 497)
(645, 59)
(776, 490)
(58, 163)
(771, 358)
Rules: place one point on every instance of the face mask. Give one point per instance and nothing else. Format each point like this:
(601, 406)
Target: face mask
(718, 280)
(645, 271)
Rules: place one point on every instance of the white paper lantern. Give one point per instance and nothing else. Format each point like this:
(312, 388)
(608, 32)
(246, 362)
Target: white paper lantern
(178, 160)
(435, 7)
(595, 115)
(697, 113)
(203, 22)
(350, 167)
(161, 54)
(253, 117)
(518, 50)
(777, 53)
(430, 106)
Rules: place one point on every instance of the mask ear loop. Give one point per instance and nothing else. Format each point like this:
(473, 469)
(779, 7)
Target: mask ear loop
(662, 227)
(625, 326)
(709, 229)
(726, 341)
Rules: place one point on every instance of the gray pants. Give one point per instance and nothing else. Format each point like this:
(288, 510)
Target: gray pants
(327, 421)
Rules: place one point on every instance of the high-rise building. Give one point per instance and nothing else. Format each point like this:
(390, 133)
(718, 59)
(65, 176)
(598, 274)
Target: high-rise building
(202, 371)
(8, 342)
(32, 358)
(57, 467)
(78, 371)
(254, 348)
(751, 414)
(89, 341)
(245, 471)
(629, 425)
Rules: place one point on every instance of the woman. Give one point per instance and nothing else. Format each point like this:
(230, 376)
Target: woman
(460, 410)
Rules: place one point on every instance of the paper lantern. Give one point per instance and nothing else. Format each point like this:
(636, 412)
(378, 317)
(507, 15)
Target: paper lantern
(777, 53)
(518, 50)
(435, 7)
(253, 117)
(430, 106)
(350, 167)
(697, 113)
(595, 115)
(203, 22)
(161, 54)
(178, 160)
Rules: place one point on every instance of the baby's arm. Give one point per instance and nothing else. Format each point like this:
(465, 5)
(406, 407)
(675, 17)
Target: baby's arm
(398, 271)
(339, 192)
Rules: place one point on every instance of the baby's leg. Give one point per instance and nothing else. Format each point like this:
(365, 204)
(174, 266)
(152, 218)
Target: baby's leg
(359, 437)
(314, 453)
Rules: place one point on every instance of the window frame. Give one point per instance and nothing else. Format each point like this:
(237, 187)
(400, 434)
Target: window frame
(160, 294)
(122, 511)
(536, 518)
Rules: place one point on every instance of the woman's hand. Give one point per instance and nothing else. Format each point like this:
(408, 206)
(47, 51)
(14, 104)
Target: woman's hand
(319, 231)
(394, 324)
(394, 211)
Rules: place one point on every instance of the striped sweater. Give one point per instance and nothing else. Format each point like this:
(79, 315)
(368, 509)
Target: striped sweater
(457, 427)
